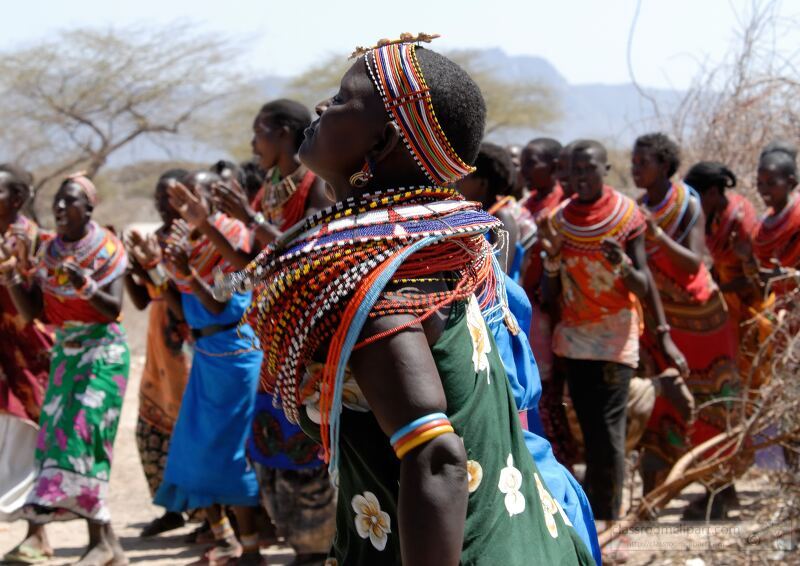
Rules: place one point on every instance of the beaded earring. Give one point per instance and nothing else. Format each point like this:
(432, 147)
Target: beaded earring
(360, 179)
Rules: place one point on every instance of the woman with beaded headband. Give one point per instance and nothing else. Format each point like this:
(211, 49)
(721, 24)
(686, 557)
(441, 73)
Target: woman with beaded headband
(25, 351)
(374, 337)
(77, 287)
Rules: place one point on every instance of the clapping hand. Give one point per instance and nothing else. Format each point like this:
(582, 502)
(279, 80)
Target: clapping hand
(146, 251)
(231, 199)
(176, 251)
(192, 208)
(77, 277)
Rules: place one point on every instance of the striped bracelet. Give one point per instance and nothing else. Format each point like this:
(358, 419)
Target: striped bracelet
(419, 431)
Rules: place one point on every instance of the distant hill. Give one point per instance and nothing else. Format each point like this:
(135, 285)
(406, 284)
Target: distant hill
(615, 113)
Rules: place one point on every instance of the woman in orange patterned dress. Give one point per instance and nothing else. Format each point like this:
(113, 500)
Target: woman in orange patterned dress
(694, 307)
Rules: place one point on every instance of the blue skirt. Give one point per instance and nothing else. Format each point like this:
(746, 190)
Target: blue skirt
(207, 462)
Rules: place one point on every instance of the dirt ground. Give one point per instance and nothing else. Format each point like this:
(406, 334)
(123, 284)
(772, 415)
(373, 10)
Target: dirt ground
(130, 503)
(131, 507)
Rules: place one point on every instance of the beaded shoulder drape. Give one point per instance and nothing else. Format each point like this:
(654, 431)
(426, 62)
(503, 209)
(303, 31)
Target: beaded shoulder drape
(331, 269)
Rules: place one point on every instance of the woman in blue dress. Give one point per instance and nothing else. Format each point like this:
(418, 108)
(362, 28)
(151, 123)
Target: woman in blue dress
(207, 465)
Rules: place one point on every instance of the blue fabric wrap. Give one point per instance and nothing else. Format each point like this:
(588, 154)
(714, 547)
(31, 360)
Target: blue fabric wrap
(526, 385)
(291, 447)
(207, 463)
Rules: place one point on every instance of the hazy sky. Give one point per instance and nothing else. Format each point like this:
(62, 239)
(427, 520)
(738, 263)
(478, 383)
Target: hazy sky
(585, 39)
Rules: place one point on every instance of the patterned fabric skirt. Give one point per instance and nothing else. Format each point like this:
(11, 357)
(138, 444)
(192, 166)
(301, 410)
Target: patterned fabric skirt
(80, 416)
(153, 445)
(302, 504)
(706, 336)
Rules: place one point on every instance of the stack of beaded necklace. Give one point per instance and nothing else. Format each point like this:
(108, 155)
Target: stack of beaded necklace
(585, 226)
(670, 211)
(778, 236)
(283, 201)
(677, 287)
(326, 275)
(99, 252)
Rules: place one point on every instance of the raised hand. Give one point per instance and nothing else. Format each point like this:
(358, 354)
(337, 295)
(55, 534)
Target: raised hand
(192, 208)
(75, 273)
(613, 251)
(178, 258)
(144, 250)
(231, 199)
(551, 239)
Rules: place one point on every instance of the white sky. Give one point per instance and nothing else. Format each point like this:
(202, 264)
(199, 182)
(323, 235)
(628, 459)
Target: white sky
(584, 39)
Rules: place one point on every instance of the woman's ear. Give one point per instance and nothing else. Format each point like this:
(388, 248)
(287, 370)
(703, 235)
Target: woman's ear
(386, 143)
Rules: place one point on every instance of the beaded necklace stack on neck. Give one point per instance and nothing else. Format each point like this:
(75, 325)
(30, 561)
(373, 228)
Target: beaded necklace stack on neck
(326, 276)
(670, 212)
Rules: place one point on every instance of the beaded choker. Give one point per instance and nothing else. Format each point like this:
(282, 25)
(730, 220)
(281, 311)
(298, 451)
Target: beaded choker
(396, 73)
(326, 276)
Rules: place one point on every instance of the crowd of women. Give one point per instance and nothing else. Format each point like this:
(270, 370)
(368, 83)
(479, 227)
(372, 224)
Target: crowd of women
(344, 332)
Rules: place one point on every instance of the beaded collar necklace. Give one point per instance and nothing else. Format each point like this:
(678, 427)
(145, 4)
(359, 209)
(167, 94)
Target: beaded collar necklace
(325, 277)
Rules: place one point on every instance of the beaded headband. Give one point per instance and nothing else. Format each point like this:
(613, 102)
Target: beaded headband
(395, 71)
(86, 185)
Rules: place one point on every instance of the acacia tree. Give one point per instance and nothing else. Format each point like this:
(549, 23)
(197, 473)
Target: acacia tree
(72, 101)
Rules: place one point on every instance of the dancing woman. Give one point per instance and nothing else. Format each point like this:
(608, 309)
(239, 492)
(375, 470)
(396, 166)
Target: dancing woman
(77, 287)
(696, 314)
(418, 422)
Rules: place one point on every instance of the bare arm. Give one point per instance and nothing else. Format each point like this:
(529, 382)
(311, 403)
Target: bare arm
(652, 299)
(551, 244)
(687, 256)
(509, 249)
(108, 300)
(173, 298)
(29, 302)
(205, 295)
(400, 381)
(137, 291)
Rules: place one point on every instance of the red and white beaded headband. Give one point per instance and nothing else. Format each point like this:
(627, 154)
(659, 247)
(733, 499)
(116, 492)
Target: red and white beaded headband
(395, 72)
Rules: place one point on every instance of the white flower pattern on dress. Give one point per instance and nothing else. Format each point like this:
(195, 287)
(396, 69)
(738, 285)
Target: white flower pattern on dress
(481, 346)
(510, 484)
(352, 397)
(91, 398)
(601, 279)
(474, 475)
(550, 507)
(370, 521)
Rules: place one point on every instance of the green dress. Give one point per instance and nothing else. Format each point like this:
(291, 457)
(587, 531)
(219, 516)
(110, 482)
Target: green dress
(511, 518)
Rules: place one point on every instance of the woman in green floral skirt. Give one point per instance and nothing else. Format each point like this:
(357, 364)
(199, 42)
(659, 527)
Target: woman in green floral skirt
(77, 287)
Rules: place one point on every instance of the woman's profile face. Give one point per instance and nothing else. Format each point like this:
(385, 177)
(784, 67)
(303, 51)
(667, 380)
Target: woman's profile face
(350, 123)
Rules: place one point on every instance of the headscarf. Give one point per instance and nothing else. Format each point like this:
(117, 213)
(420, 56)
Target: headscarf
(86, 185)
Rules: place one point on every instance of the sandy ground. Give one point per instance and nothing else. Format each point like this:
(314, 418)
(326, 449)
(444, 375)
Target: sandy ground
(131, 507)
